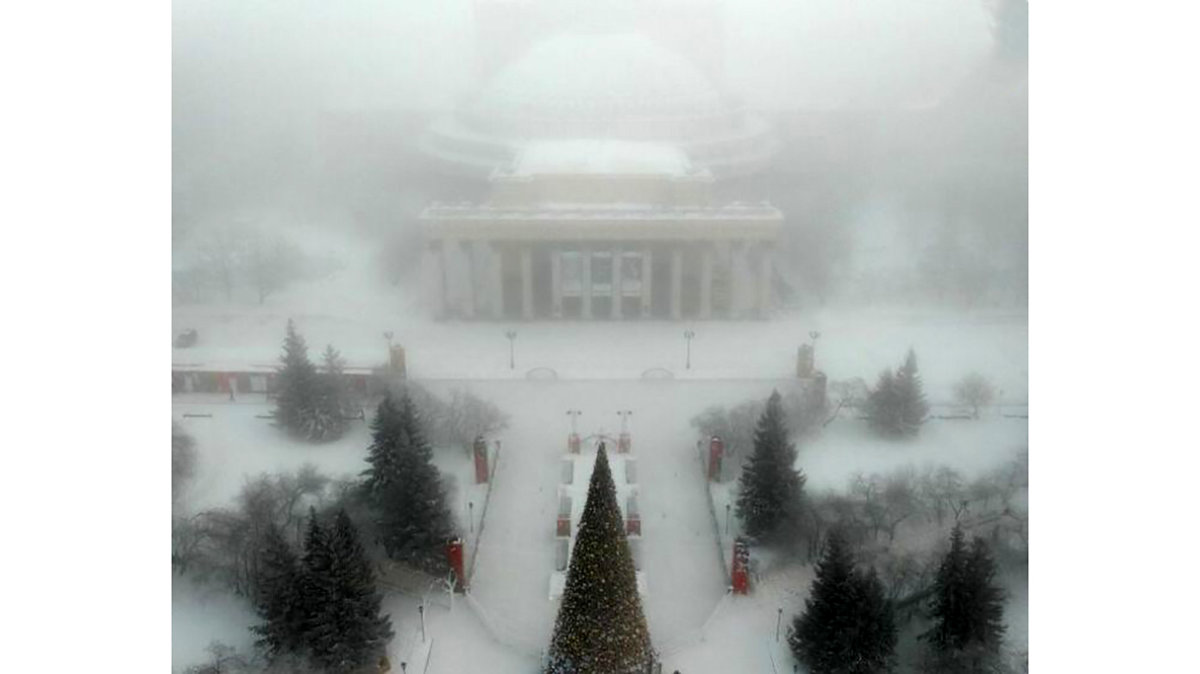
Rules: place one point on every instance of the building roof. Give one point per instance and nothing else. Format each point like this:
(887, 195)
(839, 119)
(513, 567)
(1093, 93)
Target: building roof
(600, 157)
(610, 85)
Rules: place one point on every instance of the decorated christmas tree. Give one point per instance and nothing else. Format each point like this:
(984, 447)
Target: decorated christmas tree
(600, 627)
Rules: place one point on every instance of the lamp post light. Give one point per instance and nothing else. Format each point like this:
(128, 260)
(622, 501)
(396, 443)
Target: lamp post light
(624, 414)
(574, 414)
(512, 337)
(688, 335)
(421, 610)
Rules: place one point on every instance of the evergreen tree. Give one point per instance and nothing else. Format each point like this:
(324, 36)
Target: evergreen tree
(987, 599)
(386, 429)
(351, 632)
(315, 590)
(600, 627)
(967, 609)
(332, 404)
(279, 600)
(897, 406)
(910, 396)
(949, 610)
(883, 406)
(847, 626)
(297, 403)
(406, 490)
(769, 486)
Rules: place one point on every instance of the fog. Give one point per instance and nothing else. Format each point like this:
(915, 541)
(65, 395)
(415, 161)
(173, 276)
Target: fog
(918, 111)
(556, 225)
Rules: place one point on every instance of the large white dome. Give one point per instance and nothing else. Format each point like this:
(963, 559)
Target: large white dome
(616, 86)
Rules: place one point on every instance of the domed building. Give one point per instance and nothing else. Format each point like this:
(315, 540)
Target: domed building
(623, 86)
(600, 149)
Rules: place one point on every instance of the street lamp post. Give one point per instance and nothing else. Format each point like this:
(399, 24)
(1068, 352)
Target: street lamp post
(778, 622)
(421, 610)
(688, 335)
(814, 335)
(512, 337)
(727, 508)
(471, 514)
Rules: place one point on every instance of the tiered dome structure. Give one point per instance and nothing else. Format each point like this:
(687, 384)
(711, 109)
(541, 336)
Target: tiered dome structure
(620, 86)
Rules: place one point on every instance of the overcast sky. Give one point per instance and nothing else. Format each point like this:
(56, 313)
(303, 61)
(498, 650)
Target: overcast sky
(418, 53)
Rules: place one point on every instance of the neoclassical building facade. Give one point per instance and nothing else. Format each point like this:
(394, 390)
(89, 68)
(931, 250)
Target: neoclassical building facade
(600, 153)
(600, 229)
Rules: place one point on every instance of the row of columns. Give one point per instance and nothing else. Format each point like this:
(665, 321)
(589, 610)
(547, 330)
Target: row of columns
(466, 279)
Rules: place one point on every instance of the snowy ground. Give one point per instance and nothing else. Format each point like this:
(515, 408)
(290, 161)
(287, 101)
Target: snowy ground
(685, 600)
(507, 621)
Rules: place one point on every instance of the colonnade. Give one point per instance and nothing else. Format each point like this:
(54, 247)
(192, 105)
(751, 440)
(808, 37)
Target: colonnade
(467, 279)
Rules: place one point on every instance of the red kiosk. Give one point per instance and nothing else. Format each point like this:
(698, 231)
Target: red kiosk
(481, 460)
(740, 571)
(716, 451)
(454, 554)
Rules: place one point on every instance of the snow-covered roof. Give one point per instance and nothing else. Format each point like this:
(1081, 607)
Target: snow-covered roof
(567, 211)
(601, 156)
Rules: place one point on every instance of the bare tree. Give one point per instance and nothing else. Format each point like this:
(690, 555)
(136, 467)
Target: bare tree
(900, 499)
(271, 263)
(183, 460)
(224, 659)
(221, 254)
(886, 501)
(942, 489)
(458, 421)
(975, 391)
(224, 543)
(735, 426)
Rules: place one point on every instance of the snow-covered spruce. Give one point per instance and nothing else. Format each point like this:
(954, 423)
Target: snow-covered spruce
(310, 404)
(770, 487)
(323, 608)
(600, 627)
(404, 489)
(848, 625)
(967, 610)
(897, 406)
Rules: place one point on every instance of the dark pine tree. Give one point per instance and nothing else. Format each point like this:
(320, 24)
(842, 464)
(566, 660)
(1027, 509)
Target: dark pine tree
(278, 602)
(414, 521)
(353, 634)
(910, 396)
(769, 486)
(987, 599)
(883, 406)
(332, 401)
(847, 626)
(316, 591)
(967, 609)
(600, 627)
(382, 455)
(949, 608)
(298, 389)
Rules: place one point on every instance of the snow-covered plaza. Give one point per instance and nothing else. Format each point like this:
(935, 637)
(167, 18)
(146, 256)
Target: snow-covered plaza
(504, 623)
